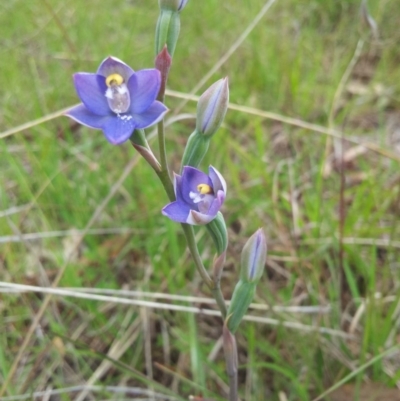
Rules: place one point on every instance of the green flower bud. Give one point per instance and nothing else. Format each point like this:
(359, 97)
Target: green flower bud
(167, 30)
(212, 107)
(253, 258)
(196, 148)
(241, 299)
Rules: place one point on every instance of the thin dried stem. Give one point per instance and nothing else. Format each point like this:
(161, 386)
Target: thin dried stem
(179, 308)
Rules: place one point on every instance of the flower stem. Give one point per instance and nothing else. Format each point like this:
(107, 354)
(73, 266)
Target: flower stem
(161, 144)
(217, 293)
(213, 286)
(163, 175)
(162, 172)
(191, 242)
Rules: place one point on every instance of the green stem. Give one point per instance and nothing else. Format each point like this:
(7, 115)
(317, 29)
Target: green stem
(163, 175)
(191, 243)
(212, 285)
(161, 144)
(217, 293)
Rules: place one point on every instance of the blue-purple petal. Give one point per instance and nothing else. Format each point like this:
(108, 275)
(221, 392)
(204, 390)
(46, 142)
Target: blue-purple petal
(216, 203)
(113, 65)
(178, 187)
(177, 211)
(143, 87)
(118, 128)
(191, 178)
(91, 91)
(85, 117)
(218, 182)
(151, 116)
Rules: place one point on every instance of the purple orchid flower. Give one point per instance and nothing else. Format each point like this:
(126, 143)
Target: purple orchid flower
(117, 99)
(198, 196)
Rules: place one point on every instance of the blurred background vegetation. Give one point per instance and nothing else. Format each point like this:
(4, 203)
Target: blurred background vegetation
(328, 197)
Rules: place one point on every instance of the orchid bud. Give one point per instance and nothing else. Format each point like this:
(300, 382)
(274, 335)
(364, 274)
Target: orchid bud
(252, 266)
(195, 150)
(167, 30)
(169, 24)
(172, 5)
(242, 297)
(211, 110)
(253, 257)
(212, 107)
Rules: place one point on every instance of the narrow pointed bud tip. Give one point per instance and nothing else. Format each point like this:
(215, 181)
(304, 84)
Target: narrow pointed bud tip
(212, 107)
(163, 60)
(163, 63)
(253, 257)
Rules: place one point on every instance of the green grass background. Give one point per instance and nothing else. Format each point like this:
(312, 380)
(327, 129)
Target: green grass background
(53, 176)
